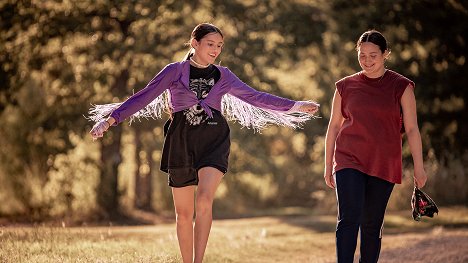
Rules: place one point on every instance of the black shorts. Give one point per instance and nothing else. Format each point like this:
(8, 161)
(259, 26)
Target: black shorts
(188, 148)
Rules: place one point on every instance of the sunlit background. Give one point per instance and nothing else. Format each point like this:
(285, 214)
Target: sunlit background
(60, 57)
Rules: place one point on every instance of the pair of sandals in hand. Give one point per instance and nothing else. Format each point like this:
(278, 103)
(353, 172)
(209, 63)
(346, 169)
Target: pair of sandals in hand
(422, 205)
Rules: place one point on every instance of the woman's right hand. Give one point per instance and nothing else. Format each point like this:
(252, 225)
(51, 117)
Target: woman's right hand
(99, 128)
(328, 176)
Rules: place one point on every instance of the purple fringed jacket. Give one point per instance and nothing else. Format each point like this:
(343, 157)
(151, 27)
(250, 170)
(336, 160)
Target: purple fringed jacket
(229, 95)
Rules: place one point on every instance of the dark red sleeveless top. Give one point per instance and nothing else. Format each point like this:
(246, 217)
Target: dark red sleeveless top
(369, 139)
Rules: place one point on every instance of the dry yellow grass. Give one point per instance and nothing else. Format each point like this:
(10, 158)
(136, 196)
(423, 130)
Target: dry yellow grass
(298, 238)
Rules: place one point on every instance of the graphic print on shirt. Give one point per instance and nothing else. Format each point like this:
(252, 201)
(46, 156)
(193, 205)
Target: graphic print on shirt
(195, 115)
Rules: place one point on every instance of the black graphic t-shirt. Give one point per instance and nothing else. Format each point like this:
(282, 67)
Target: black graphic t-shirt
(201, 82)
(193, 140)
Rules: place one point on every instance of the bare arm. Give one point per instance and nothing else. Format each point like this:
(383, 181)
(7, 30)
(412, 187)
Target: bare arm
(336, 120)
(408, 104)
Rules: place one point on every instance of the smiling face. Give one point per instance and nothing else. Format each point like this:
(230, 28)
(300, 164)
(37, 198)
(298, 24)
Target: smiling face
(208, 48)
(371, 59)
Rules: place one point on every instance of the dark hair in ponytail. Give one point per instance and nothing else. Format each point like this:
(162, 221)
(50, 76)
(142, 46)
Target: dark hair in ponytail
(200, 31)
(374, 37)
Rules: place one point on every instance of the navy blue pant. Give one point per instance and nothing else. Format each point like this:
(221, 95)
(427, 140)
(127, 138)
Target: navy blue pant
(362, 200)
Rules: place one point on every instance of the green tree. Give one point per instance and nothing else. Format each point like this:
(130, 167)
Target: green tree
(423, 48)
(57, 58)
(40, 99)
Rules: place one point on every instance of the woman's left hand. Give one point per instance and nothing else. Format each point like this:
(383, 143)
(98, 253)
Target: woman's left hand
(309, 107)
(420, 177)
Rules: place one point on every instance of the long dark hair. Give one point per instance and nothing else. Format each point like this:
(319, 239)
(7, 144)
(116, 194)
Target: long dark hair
(200, 31)
(375, 37)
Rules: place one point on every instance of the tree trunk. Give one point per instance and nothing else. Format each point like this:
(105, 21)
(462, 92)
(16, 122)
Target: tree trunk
(143, 187)
(138, 175)
(149, 183)
(107, 190)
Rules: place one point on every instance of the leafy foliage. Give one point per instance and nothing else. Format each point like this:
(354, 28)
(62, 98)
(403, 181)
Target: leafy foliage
(58, 57)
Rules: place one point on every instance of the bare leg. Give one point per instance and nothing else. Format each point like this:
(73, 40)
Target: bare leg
(209, 179)
(183, 202)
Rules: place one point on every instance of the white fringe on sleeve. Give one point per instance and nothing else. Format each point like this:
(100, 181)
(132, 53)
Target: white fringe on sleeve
(257, 118)
(233, 109)
(153, 110)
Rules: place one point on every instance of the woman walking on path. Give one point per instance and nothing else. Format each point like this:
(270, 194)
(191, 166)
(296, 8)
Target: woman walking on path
(200, 97)
(363, 147)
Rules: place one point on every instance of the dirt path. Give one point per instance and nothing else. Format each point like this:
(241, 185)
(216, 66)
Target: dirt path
(269, 239)
(439, 245)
